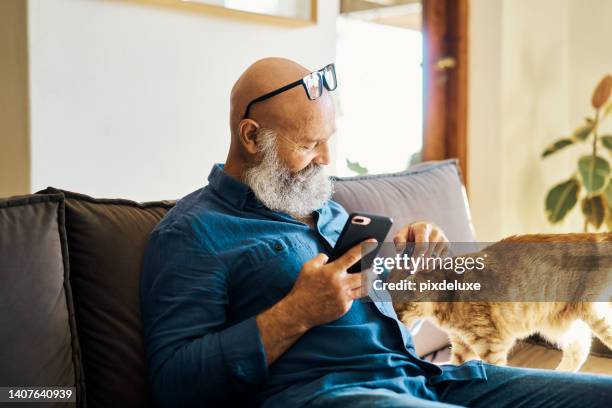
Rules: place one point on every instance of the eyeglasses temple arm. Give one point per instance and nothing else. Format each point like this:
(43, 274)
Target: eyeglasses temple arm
(270, 95)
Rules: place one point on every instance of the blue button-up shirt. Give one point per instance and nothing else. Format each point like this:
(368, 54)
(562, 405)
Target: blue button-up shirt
(217, 260)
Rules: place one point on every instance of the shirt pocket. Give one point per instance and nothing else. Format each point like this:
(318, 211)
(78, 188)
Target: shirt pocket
(262, 250)
(278, 263)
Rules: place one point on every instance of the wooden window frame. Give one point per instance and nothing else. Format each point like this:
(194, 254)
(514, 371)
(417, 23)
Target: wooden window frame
(445, 81)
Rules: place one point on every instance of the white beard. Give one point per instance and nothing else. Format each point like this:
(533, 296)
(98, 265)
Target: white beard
(279, 189)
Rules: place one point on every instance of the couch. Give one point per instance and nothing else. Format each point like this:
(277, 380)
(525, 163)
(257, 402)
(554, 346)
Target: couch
(70, 266)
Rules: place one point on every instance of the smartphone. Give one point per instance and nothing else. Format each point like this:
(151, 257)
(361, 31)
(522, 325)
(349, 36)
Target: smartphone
(358, 228)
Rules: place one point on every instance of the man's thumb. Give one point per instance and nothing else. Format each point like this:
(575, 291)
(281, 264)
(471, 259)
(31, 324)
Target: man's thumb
(321, 259)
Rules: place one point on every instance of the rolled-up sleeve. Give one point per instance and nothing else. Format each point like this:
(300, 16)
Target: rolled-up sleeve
(195, 358)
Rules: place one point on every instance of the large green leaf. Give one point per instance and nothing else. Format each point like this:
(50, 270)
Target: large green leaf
(561, 199)
(556, 146)
(606, 140)
(356, 167)
(608, 195)
(594, 172)
(594, 210)
(582, 132)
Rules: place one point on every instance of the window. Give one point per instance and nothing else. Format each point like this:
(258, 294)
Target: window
(379, 98)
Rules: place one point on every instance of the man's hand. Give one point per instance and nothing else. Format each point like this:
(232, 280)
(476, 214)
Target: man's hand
(323, 292)
(429, 239)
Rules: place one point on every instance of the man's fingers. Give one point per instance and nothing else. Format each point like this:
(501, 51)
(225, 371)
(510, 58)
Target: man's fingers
(421, 238)
(319, 260)
(400, 243)
(441, 248)
(420, 248)
(448, 251)
(354, 255)
(358, 293)
(432, 244)
(355, 280)
(400, 238)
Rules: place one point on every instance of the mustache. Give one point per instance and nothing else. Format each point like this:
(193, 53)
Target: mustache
(312, 170)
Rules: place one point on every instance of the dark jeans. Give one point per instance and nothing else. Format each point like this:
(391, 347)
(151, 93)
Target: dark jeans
(505, 387)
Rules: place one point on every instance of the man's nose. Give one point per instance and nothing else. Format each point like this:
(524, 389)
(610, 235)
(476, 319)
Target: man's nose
(323, 154)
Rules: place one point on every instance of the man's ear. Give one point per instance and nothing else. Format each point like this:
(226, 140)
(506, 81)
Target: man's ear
(248, 135)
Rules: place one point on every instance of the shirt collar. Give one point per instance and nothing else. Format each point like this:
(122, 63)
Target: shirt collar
(234, 191)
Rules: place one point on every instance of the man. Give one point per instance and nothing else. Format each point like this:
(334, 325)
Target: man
(240, 303)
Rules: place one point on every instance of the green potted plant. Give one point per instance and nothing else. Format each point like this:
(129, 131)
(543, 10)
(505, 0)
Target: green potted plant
(591, 183)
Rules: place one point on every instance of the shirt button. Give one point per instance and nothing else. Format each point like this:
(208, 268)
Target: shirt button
(278, 246)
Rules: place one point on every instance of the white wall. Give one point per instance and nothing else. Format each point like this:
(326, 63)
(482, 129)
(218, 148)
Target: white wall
(590, 53)
(131, 100)
(534, 107)
(484, 110)
(533, 66)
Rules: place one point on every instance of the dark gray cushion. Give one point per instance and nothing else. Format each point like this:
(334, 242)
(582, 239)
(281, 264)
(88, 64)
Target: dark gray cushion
(38, 338)
(430, 191)
(106, 241)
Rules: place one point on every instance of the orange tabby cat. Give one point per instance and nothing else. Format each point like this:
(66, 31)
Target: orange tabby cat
(487, 330)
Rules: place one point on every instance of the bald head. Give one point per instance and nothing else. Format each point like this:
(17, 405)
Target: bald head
(260, 78)
(302, 127)
(289, 110)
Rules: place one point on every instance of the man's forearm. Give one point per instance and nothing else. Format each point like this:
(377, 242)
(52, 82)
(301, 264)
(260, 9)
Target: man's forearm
(280, 327)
